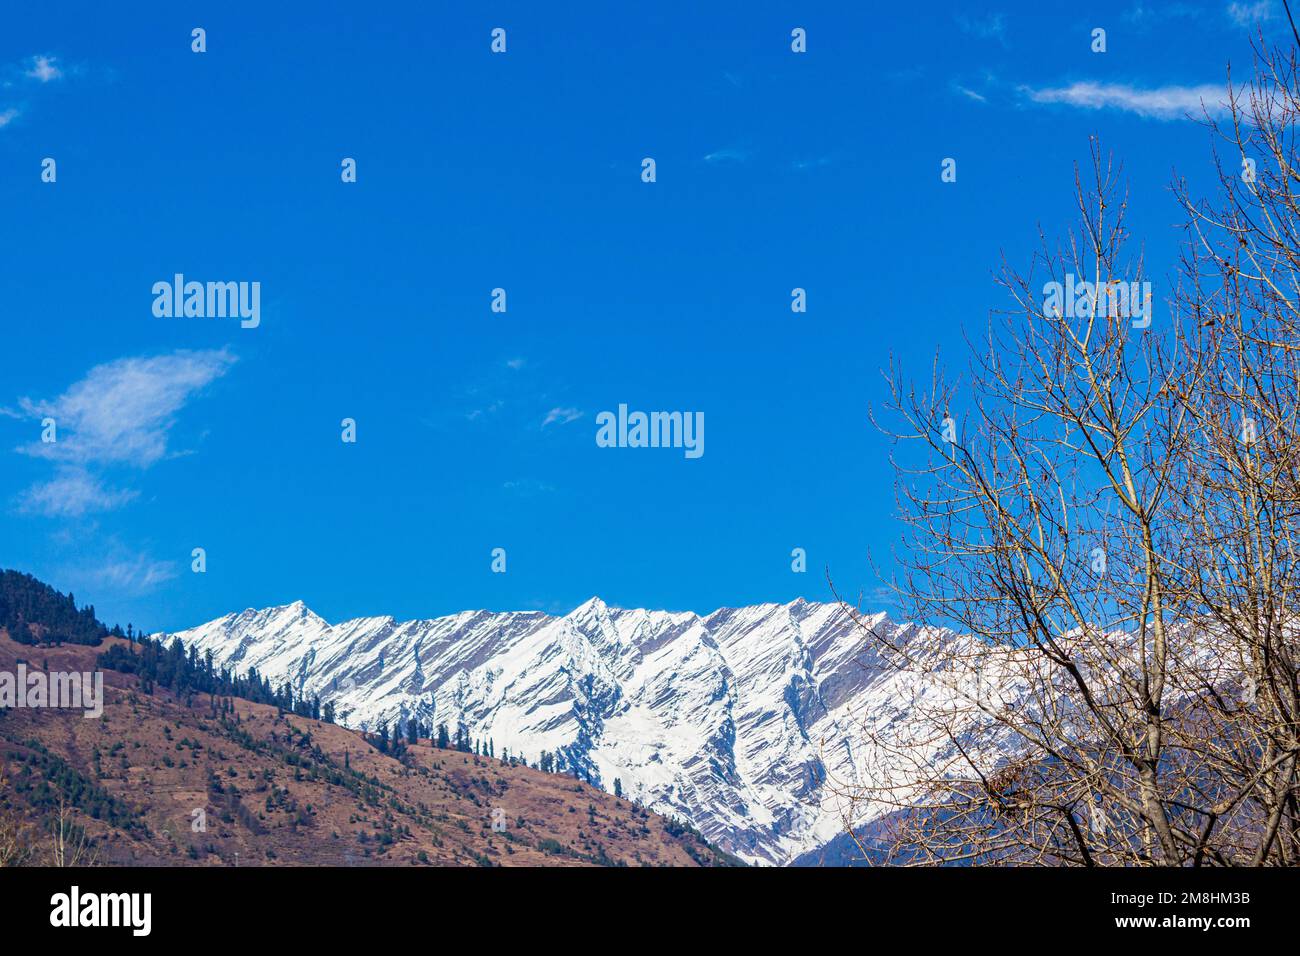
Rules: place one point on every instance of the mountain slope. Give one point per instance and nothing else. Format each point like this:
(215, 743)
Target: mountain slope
(168, 779)
(743, 722)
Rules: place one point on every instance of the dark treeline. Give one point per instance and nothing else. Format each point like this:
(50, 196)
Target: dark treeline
(25, 601)
(35, 613)
(185, 674)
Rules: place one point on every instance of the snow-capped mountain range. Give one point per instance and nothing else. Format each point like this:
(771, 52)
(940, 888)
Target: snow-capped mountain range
(747, 722)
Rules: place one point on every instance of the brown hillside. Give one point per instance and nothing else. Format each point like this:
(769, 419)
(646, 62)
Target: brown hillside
(283, 789)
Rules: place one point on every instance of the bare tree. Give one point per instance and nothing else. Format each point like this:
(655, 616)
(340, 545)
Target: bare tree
(69, 843)
(1099, 522)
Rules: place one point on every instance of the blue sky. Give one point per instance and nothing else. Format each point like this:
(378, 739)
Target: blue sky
(476, 430)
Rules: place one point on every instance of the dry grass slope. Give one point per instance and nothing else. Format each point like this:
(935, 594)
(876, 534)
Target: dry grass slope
(286, 790)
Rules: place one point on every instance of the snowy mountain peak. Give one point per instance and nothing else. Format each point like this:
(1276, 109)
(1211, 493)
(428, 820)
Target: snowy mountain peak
(298, 609)
(593, 610)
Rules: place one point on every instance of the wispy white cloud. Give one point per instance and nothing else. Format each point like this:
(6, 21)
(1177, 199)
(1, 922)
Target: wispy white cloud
(120, 414)
(515, 364)
(123, 411)
(25, 74)
(1163, 102)
(126, 571)
(561, 416)
(134, 573)
(73, 492)
(1249, 13)
(970, 94)
(43, 68)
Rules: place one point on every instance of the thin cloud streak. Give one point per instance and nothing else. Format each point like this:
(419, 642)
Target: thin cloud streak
(1163, 103)
(727, 156)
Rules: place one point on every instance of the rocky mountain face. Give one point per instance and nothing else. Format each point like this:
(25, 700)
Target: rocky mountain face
(748, 722)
